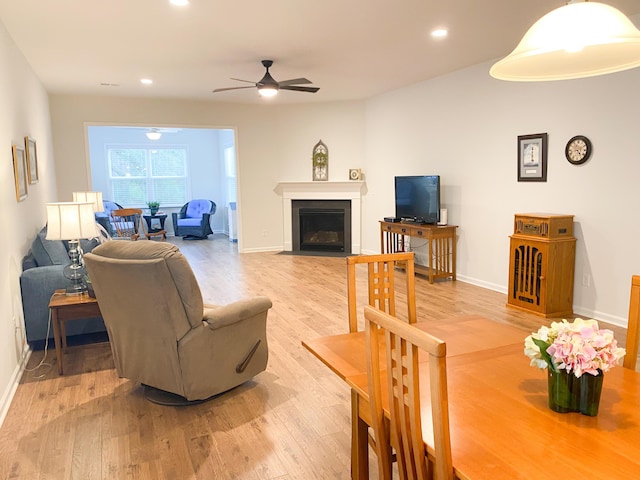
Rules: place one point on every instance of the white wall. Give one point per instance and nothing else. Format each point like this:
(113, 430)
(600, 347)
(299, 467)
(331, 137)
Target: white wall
(273, 144)
(464, 127)
(25, 111)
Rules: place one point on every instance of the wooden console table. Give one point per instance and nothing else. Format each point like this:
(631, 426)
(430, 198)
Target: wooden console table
(441, 241)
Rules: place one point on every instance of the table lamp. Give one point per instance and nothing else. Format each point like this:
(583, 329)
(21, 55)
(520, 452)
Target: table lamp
(92, 197)
(72, 221)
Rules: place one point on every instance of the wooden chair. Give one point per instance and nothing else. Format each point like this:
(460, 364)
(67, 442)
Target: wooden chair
(381, 295)
(402, 343)
(127, 222)
(381, 284)
(633, 332)
(130, 225)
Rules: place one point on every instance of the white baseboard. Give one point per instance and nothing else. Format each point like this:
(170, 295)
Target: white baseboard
(12, 386)
(263, 249)
(482, 283)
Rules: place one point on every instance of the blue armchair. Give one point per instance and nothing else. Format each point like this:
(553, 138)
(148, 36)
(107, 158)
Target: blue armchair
(194, 219)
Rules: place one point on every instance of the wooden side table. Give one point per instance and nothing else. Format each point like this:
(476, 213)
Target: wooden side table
(65, 308)
(152, 231)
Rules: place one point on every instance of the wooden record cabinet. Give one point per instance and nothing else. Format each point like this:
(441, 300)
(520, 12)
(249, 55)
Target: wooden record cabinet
(541, 264)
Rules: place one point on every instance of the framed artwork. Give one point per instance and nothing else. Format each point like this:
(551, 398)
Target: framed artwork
(32, 160)
(20, 172)
(320, 162)
(532, 158)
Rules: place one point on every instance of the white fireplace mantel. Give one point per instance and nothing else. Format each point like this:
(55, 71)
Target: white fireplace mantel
(351, 190)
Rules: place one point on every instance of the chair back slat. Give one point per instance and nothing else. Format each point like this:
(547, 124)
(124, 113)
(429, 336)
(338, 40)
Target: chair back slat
(633, 330)
(402, 344)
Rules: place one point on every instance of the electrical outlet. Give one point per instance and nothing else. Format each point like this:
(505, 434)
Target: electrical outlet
(586, 280)
(265, 233)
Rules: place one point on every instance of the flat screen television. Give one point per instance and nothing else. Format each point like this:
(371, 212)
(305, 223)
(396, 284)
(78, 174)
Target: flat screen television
(418, 198)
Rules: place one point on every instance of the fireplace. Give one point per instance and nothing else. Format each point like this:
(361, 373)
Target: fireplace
(351, 191)
(321, 225)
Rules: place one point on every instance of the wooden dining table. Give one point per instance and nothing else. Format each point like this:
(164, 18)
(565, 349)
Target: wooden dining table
(501, 425)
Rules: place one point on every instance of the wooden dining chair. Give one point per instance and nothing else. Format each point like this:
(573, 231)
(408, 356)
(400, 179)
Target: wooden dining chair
(633, 332)
(381, 283)
(381, 288)
(402, 343)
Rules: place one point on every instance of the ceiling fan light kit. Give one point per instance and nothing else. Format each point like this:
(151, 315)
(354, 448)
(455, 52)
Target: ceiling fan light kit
(580, 39)
(154, 134)
(269, 87)
(267, 91)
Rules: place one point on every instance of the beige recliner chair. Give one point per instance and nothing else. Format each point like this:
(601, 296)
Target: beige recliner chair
(162, 334)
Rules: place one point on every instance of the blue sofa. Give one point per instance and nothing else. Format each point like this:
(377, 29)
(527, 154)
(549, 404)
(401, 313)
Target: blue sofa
(42, 274)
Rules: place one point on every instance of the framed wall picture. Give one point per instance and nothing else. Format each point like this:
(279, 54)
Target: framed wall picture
(32, 159)
(532, 158)
(20, 171)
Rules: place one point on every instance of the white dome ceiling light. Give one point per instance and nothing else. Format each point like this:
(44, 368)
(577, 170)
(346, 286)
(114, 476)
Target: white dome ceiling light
(580, 39)
(154, 134)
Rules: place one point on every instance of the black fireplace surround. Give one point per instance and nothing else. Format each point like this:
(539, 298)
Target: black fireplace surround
(321, 225)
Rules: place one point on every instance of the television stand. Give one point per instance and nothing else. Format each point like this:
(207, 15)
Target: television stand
(440, 239)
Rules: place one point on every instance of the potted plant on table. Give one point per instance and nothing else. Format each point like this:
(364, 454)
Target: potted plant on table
(153, 207)
(576, 355)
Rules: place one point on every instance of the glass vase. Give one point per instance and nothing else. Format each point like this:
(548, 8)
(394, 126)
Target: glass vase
(570, 394)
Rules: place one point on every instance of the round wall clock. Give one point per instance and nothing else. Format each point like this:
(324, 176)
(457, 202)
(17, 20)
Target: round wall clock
(578, 150)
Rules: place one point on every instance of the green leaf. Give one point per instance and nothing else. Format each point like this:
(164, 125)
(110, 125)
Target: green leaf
(542, 345)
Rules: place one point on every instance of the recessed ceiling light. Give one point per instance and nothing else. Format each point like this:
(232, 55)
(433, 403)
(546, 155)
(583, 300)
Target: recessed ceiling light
(439, 33)
(146, 81)
(179, 3)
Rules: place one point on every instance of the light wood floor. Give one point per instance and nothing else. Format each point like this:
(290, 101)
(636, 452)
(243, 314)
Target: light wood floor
(291, 422)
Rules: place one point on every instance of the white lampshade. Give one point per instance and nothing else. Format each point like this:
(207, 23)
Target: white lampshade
(92, 197)
(70, 221)
(581, 39)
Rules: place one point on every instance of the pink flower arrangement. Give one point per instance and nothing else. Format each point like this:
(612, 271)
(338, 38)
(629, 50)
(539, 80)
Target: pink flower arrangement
(578, 347)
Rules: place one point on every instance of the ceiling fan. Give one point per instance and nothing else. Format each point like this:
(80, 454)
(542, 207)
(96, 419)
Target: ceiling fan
(268, 87)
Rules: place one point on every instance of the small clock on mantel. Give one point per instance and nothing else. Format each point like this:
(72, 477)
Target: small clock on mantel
(578, 150)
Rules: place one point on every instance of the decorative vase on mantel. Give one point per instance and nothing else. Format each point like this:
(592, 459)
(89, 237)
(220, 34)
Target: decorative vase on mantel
(568, 393)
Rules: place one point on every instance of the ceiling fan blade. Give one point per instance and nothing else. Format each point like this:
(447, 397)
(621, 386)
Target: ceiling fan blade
(294, 81)
(230, 88)
(300, 89)
(240, 80)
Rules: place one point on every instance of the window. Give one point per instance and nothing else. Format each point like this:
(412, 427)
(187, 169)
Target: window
(138, 175)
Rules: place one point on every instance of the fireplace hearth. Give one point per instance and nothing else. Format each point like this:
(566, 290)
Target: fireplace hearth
(321, 225)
